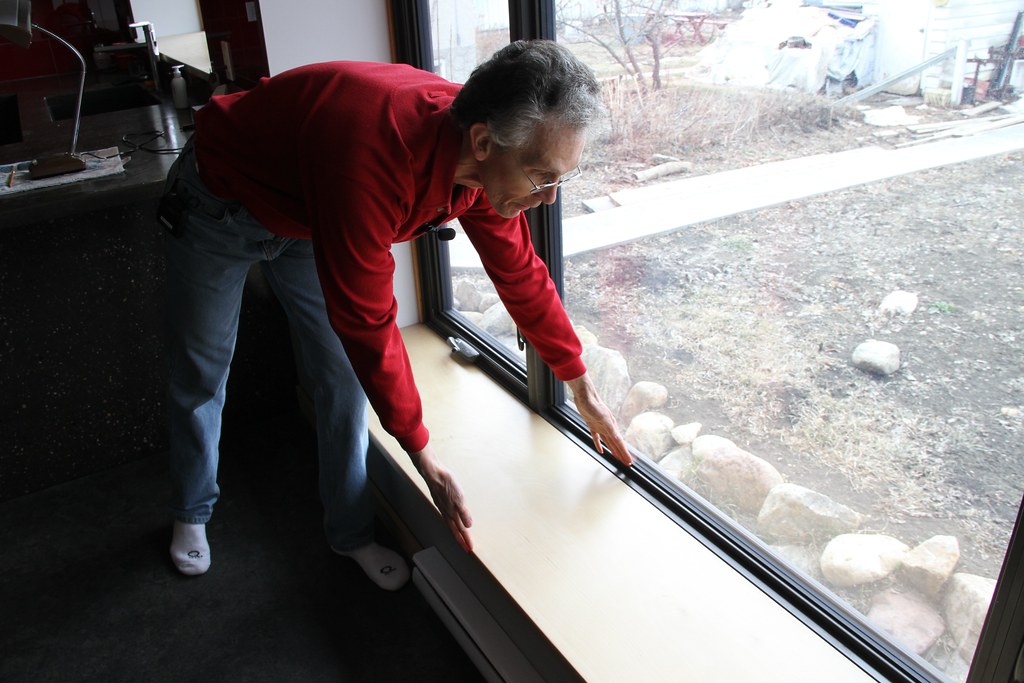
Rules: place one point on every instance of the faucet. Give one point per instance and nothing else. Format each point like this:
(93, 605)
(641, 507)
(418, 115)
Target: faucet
(151, 49)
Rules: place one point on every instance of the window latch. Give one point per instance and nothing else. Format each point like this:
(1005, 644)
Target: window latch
(463, 349)
(520, 340)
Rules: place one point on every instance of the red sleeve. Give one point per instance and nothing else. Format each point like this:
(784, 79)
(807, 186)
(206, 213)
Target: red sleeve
(525, 287)
(352, 241)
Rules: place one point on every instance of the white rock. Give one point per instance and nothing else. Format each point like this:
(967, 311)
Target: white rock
(608, 370)
(950, 663)
(908, 618)
(586, 336)
(928, 566)
(801, 558)
(468, 296)
(487, 299)
(643, 396)
(878, 357)
(732, 474)
(685, 434)
(854, 559)
(651, 434)
(898, 303)
(677, 462)
(968, 597)
(794, 513)
(706, 444)
(498, 322)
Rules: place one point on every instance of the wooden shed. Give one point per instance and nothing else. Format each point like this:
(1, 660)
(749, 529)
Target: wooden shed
(911, 31)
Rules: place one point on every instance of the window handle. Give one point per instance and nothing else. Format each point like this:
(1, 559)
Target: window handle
(463, 349)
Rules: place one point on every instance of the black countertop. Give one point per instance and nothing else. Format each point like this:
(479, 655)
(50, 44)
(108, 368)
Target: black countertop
(144, 171)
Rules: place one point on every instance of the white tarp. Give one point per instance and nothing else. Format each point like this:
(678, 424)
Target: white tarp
(748, 51)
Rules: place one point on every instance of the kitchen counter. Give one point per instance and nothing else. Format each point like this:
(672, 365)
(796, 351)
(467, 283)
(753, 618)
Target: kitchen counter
(144, 171)
(82, 286)
(81, 280)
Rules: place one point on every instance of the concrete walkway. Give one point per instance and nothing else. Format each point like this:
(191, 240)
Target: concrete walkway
(673, 205)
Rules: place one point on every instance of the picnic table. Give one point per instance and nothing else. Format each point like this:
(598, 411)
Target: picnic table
(689, 27)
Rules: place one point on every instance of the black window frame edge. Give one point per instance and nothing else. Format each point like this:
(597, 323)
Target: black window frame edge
(1000, 652)
(1002, 639)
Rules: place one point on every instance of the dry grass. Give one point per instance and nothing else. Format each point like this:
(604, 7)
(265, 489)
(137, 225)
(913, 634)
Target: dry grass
(684, 118)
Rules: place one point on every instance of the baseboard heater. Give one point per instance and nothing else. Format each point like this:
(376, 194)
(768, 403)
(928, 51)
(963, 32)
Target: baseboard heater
(488, 646)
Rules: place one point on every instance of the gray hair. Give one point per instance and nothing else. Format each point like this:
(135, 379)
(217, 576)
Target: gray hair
(527, 84)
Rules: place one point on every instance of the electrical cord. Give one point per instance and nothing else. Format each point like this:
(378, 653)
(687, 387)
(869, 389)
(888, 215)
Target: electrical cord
(129, 140)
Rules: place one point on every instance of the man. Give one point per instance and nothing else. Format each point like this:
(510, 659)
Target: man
(314, 174)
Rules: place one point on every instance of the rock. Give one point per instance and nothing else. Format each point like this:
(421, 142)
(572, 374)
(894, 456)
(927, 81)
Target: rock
(473, 316)
(908, 618)
(898, 303)
(949, 662)
(498, 322)
(732, 474)
(706, 444)
(651, 434)
(854, 559)
(801, 558)
(677, 463)
(928, 566)
(608, 370)
(643, 396)
(794, 513)
(878, 357)
(587, 337)
(487, 300)
(685, 434)
(468, 296)
(968, 597)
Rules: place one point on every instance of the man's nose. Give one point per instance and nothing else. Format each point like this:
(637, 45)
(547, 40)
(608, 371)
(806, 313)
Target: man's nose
(549, 195)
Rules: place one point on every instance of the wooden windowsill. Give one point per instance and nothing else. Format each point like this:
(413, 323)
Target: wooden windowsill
(620, 590)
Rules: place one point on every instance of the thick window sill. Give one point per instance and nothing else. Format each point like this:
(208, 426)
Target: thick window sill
(621, 591)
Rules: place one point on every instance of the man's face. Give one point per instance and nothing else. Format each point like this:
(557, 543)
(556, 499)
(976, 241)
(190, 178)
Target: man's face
(509, 177)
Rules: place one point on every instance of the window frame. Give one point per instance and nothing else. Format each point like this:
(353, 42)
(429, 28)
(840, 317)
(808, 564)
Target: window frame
(1001, 646)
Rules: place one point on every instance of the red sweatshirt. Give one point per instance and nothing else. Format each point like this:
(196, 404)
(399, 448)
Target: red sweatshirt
(358, 156)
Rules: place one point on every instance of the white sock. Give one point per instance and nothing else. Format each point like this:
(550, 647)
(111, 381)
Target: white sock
(190, 550)
(383, 566)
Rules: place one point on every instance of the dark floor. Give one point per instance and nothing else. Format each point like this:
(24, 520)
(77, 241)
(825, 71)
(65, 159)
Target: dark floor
(87, 592)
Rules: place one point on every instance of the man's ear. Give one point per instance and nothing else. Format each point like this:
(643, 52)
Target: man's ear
(480, 140)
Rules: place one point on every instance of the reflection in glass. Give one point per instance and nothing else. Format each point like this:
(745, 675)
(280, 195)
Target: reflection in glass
(464, 35)
(742, 353)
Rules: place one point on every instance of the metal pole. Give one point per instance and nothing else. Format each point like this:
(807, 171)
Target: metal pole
(81, 82)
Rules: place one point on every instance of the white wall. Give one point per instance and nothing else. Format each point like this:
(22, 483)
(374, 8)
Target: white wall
(342, 29)
(324, 30)
(168, 18)
(981, 24)
(911, 31)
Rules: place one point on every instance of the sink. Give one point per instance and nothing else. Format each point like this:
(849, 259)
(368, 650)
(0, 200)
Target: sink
(10, 120)
(101, 101)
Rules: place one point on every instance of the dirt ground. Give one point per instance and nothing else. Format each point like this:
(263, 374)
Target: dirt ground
(751, 320)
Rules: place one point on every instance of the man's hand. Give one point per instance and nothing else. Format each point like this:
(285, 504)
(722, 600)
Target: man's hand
(603, 426)
(447, 495)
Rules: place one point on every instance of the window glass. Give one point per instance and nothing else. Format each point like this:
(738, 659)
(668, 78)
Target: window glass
(831, 360)
(464, 35)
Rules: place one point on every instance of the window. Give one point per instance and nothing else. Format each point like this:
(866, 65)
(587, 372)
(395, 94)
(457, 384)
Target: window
(806, 379)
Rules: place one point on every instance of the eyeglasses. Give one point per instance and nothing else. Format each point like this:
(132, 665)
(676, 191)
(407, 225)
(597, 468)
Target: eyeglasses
(571, 175)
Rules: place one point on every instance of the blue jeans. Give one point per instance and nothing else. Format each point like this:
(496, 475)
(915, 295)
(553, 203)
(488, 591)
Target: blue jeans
(207, 263)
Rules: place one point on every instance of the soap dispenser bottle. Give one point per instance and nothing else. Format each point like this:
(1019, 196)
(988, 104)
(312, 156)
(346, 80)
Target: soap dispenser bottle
(179, 91)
